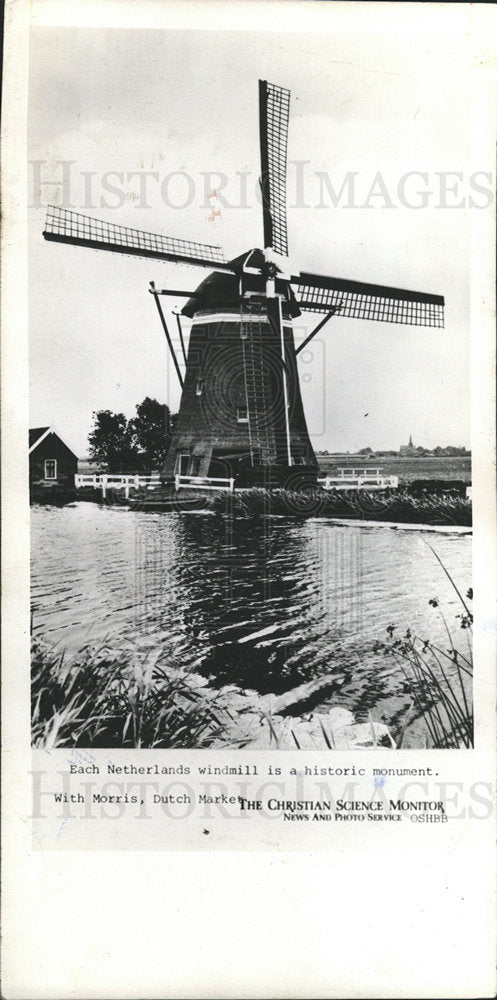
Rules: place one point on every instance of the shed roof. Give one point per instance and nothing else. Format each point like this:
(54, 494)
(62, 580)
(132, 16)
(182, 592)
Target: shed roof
(35, 433)
(38, 434)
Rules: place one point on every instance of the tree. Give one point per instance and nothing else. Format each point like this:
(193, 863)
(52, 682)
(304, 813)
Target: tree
(152, 429)
(136, 445)
(111, 442)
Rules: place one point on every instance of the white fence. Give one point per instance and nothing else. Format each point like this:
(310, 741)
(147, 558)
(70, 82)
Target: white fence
(344, 479)
(359, 479)
(106, 482)
(204, 483)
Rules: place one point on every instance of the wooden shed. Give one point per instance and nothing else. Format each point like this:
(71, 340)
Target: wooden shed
(51, 461)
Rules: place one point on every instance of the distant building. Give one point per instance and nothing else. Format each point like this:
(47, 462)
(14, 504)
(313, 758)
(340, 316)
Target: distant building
(407, 449)
(51, 461)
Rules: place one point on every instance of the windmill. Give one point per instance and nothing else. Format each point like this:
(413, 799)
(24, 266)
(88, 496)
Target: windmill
(241, 412)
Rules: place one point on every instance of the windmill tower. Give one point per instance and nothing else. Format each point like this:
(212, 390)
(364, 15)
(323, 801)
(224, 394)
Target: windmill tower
(241, 412)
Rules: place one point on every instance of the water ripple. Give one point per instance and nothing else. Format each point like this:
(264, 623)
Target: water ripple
(263, 604)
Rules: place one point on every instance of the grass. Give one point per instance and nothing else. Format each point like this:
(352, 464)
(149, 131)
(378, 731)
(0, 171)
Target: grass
(402, 507)
(439, 680)
(116, 698)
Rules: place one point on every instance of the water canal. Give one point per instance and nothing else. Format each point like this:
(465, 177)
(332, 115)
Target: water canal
(263, 603)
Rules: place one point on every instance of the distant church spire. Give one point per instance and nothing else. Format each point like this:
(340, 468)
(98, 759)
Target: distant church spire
(410, 441)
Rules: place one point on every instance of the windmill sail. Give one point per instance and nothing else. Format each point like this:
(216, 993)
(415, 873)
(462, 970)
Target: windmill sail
(274, 110)
(358, 300)
(241, 415)
(65, 226)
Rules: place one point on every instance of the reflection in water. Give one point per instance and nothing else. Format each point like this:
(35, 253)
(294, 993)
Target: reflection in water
(260, 603)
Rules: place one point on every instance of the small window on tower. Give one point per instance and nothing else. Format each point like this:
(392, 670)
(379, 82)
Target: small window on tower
(200, 386)
(242, 415)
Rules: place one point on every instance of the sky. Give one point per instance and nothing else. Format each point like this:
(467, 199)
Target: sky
(366, 110)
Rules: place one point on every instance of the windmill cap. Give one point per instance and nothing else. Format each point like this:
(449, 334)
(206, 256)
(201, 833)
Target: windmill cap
(221, 289)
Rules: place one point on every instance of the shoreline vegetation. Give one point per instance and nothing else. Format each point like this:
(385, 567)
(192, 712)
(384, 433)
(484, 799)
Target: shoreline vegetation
(115, 696)
(439, 679)
(444, 508)
(400, 506)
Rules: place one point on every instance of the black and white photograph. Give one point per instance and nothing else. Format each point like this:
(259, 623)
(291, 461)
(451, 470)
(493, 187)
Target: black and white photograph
(250, 441)
(248, 509)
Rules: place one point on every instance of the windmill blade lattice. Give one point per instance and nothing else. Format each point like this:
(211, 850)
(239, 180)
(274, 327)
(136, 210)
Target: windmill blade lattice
(65, 226)
(359, 300)
(274, 111)
(241, 416)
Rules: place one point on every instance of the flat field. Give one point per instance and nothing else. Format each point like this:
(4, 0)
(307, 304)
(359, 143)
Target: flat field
(407, 469)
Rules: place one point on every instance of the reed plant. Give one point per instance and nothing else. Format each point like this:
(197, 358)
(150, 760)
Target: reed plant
(438, 678)
(403, 507)
(117, 698)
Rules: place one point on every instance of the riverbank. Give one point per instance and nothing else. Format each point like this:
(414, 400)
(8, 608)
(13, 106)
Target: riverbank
(115, 698)
(398, 507)
(391, 506)
(394, 506)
